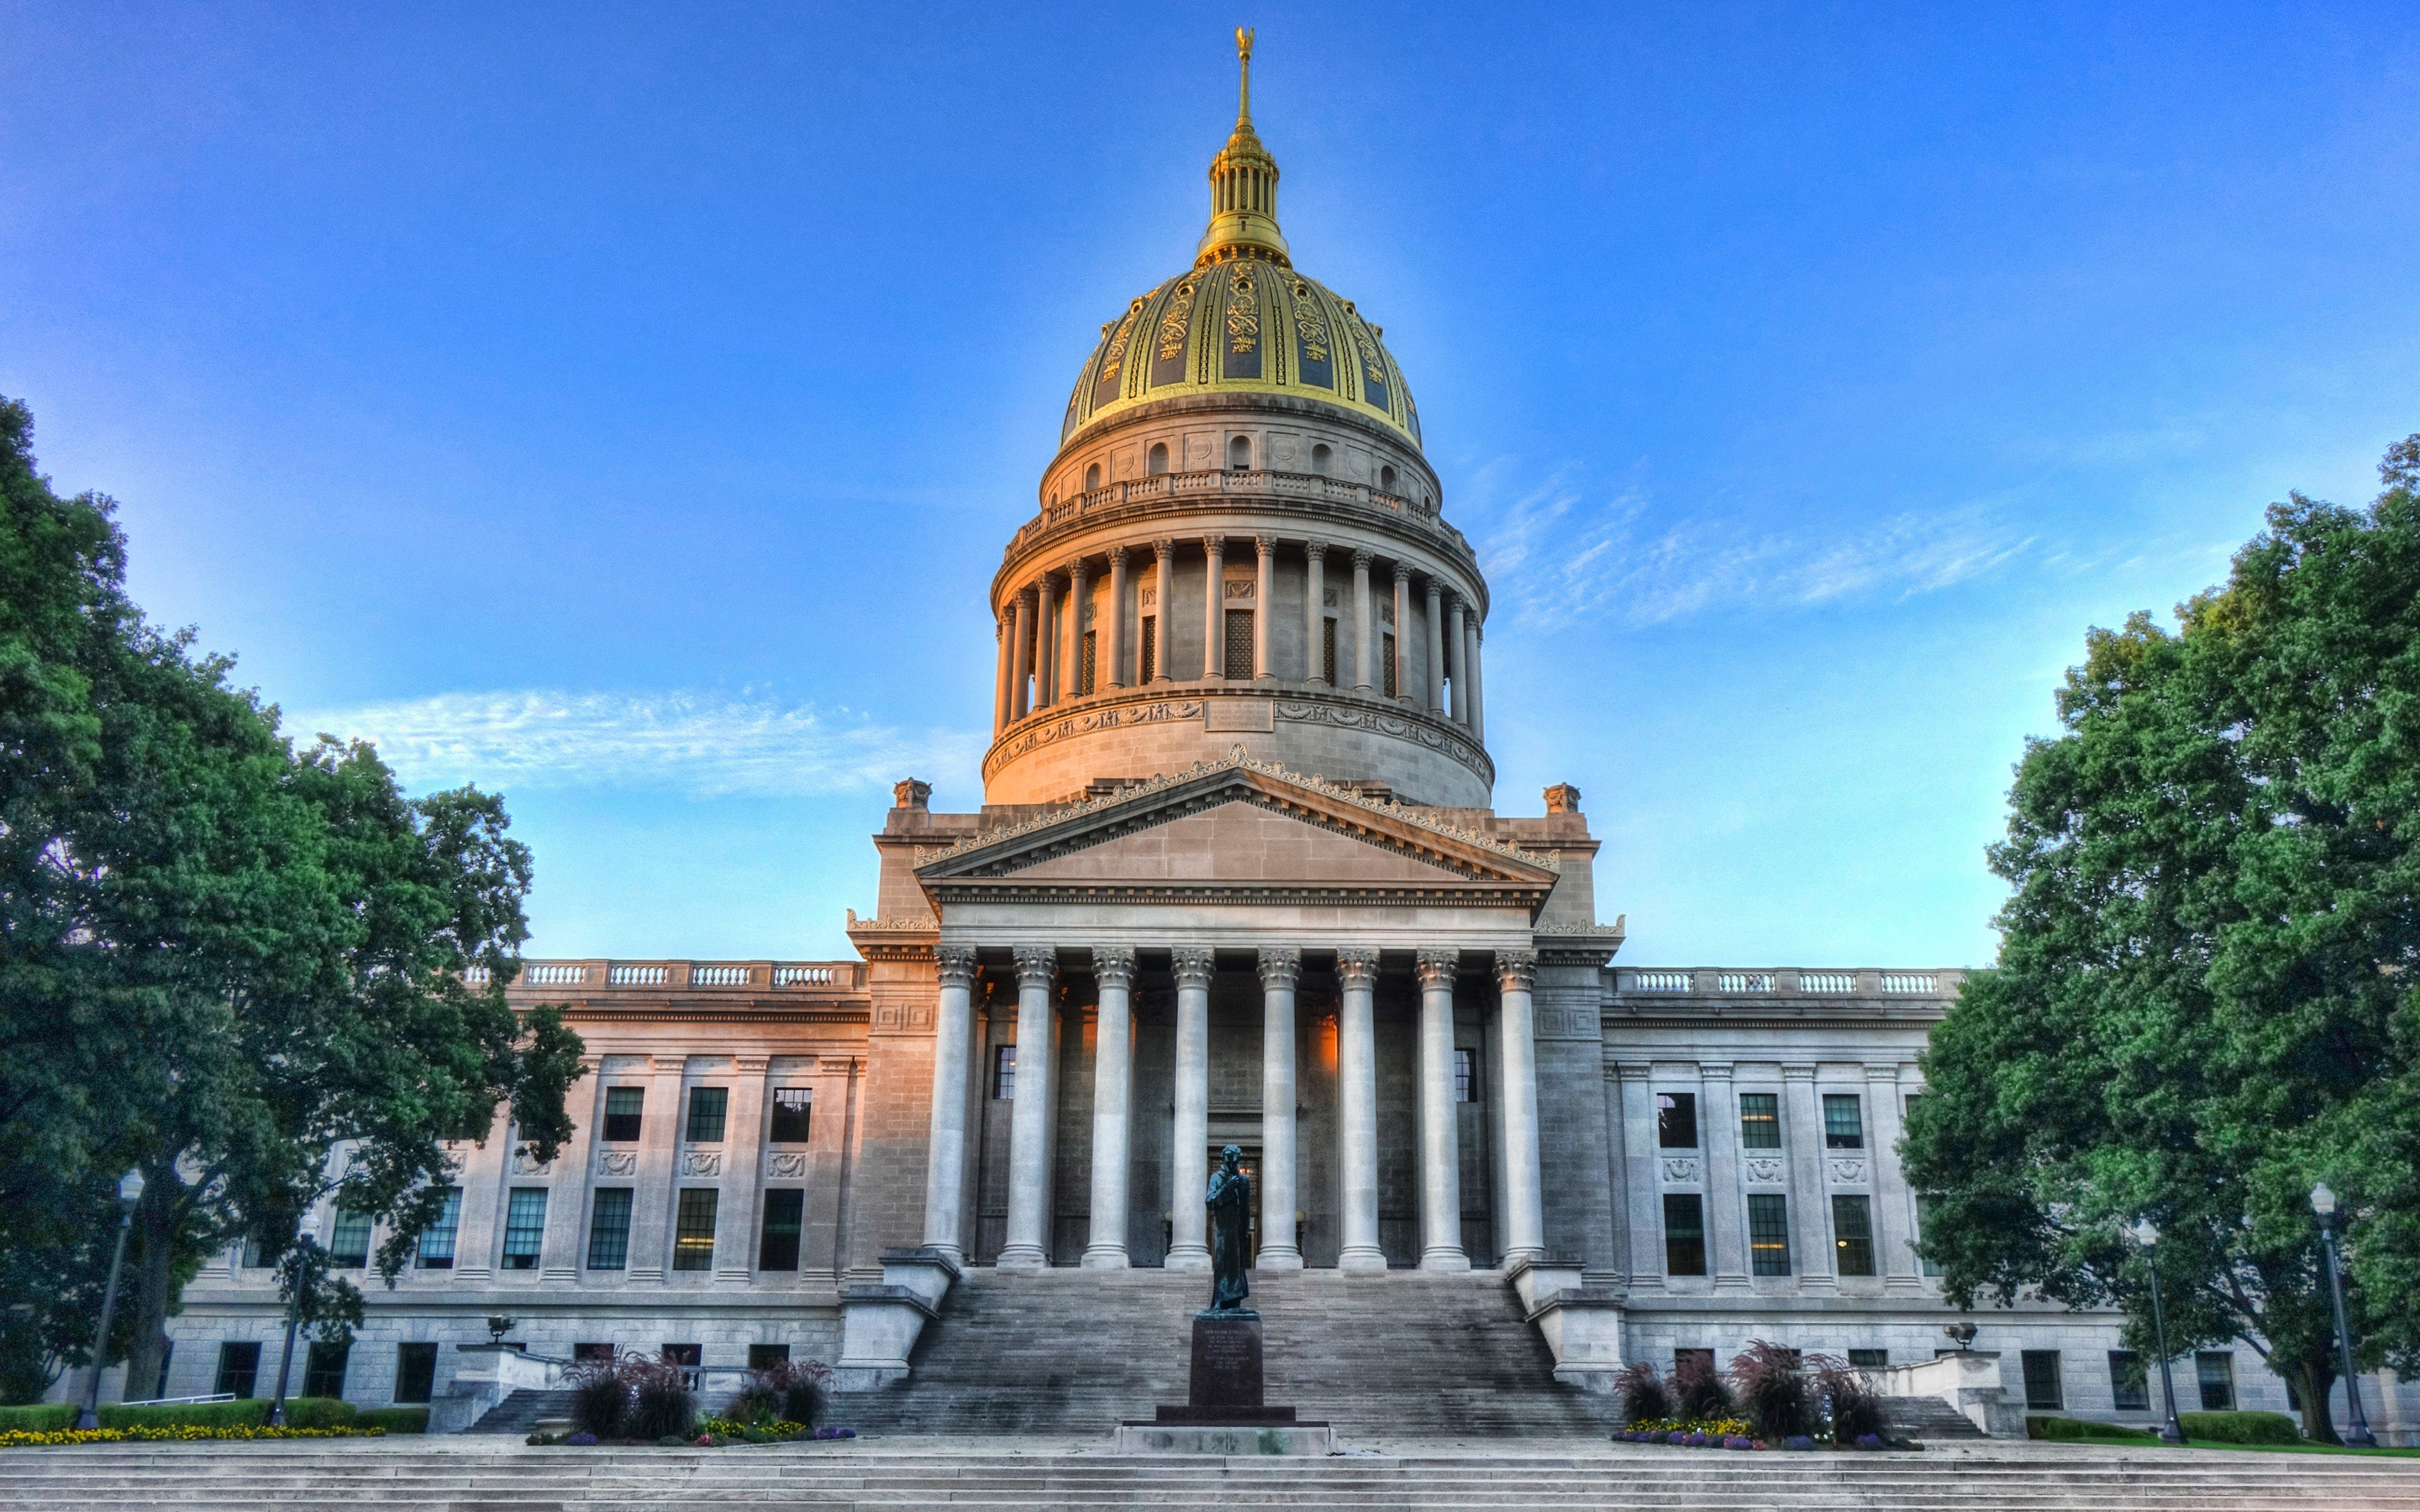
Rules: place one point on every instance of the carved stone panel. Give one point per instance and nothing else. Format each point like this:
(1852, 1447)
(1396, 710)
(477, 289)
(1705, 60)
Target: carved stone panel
(1765, 1168)
(1680, 1168)
(618, 1162)
(785, 1165)
(1848, 1170)
(701, 1163)
(524, 1166)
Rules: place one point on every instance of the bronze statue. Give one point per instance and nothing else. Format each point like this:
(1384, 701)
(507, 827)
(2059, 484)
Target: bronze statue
(1231, 1224)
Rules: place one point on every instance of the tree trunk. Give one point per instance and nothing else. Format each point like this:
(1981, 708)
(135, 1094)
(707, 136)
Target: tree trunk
(155, 1225)
(2314, 1378)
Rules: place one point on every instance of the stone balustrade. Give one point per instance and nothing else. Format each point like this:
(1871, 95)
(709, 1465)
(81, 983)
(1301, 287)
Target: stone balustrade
(1265, 483)
(607, 977)
(1660, 988)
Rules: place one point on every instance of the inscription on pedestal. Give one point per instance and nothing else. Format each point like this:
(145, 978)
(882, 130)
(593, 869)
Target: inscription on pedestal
(1226, 1363)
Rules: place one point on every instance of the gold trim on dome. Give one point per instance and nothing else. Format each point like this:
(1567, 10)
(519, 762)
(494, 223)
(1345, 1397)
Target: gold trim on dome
(1243, 312)
(1172, 323)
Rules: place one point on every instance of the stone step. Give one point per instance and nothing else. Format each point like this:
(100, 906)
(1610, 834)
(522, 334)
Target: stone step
(522, 1410)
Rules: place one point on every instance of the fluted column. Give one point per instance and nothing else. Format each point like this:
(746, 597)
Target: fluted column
(1264, 592)
(1022, 686)
(1071, 676)
(1802, 1130)
(1007, 655)
(1164, 586)
(1404, 689)
(1029, 1124)
(1433, 632)
(1113, 970)
(1457, 658)
(1891, 1203)
(1639, 1155)
(1478, 679)
(1524, 1203)
(1045, 644)
(1214, 612)
(1188, 1249)
(1725, 1202)
(1314, 610)
(661, 1133)
(1114, 645)
(1362, 645)
(572, 1174)
(743, 1172)
(1441, 1146)
(1357, 1109)
(1280, 969)
(945, 1170)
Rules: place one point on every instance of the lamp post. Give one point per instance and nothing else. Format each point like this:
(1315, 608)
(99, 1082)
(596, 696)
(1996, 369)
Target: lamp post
(298, 1272)
(2323, 1202)
(129, 1191)
(2146, 1234)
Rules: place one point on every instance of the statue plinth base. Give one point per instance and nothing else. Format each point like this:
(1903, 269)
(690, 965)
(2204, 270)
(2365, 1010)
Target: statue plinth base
(1224, 1413)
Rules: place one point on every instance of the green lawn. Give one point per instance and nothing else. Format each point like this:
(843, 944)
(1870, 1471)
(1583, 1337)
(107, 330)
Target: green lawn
(2301, 1448)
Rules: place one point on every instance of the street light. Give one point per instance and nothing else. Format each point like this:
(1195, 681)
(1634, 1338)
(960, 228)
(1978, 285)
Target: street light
(2146, 1234)
(129, 1191)
(2323, 1202)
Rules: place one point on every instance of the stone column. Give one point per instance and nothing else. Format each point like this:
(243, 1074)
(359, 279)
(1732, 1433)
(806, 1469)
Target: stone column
(1314, 612)
(1404, 689)
(1646, 1211)
(1440, 1148)
(1433, 632)
(570, 1176)
(1188, 1249)
(1046, 645)
(1457, 658)
(1113, 969)
(1894, 1225)
(1525, 1201)
(1726, 1207)
(1029, 1117)
(1357, 1109)
(945, 1169)
(743, 1175)
(1164, 585)
(1478, 680)
(1114, 645)
(1280, 969)
(1362, 642)
(483, 1177)
(652, 1199)
(1214, 620)
(1004, 633)
(1071, 677)
(1802, 1130)
(1264, 592)
(1020, 702)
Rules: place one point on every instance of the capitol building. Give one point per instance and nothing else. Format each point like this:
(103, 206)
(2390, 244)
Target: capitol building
(1240, 876)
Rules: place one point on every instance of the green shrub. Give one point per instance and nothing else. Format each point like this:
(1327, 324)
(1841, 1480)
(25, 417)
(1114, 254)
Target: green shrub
(250, 1413)
(41, 1417)
(2241, 1428)
(321, 1412)
(392, 1419)
(2069, 1430)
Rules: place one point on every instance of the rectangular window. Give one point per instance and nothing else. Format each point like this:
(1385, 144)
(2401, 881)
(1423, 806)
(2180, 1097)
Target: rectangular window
(1676, 1121)
(1147, 649)
(524, 1228)
(1685, 1360)
(793, 1108)
(1086, 668)
(2042, 1381)
(1870, 1358)
(436, 1240)
(1466, 1076)
(1386, 647)
(609, 1230)
(2214, 1372)
(239, 1369)
(1238, 664)
(766, 1356)
(257, 1254)
(415, 1372)
(1853, 1235)
(1759, 1120)
(1768, 1233)
(622, 1108)
(694, 1231)
(689, 1357)
(1004, 1072)
(586, 1354)
(1327, 651)
(1925, 1203)
(784, 1211)
(323, 1371)
(1685, 1234)
(1844, 1121)
(707, 1107)
(2130, 1389)
(348, 1248)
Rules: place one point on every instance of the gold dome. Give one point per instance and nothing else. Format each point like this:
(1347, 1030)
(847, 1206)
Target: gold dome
(1242, 319)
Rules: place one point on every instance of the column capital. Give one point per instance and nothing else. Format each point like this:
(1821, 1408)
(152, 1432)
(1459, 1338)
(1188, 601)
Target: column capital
(1455, 602)
(1266, 545)
(1881, 1076)
(1356, 967)
(1075, 569)
(1714, 1071)
(1117, 555)
(751, 1065)
(1516, 970)
(1025, 596)
(1215, 545)
(1636, 1070)
(1362, 557)
(1194, 966)
(1280, 965)
(1435, 590)
(1802, 1072)
(1403, 572)
(1164, 548)
(1438, 965)
(1314, 548)
(955, 964)
(1036, 965)
(1114, 965)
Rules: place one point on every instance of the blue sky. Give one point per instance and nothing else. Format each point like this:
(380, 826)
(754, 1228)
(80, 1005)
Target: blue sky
(625, 407)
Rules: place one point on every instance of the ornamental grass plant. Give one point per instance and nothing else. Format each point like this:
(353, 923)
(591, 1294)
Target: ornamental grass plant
(1697, 1393)
(1770, 1384)
(1847, 1400)
(1643, 1395)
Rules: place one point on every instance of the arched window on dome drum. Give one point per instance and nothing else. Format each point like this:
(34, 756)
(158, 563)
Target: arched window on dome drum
(1158, 461)
(1239, 453)
(1320, 456)
(1386, 480)
(1092, 477)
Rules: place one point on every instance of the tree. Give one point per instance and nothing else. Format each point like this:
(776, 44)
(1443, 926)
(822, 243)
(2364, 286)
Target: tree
(2204, 997)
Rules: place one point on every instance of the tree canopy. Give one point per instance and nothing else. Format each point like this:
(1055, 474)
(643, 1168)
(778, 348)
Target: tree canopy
(2204, 999)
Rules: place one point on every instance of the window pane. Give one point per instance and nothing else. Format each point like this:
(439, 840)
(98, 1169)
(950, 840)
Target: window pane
(1466, 1076)
(1147, 651)
(1853, 1235)
(2214, 1370)
(323, 1371)
(239, 1369)
(622, 1108)
(350, 1246)
(791, 1109)
(1386, 645)
(1870, 1358)
(1004, 1072)
(1676, 1121)
(583, 1353)
(766, 1356)
(2042, 1380)
(1768, 1234)
(694, 1232)
(524, 1228)
(2129, 1387)
(1685, 1234)
(705, 1110)
(1239, 643)
(415, 1372)
(1328, 651)
(1089, 666)
(1925, 1203)
(609, 1230)
(1844, 1121)
(785, 1208)
(436, 1240)
(1759, 1120)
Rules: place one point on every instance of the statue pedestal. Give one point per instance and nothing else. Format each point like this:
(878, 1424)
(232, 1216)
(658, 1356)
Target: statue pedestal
(1224, 1413)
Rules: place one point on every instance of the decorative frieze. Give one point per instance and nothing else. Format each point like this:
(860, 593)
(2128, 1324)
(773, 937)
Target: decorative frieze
(785, 1165)
(1680, 1168)
(618, 1162)
(700, 1163)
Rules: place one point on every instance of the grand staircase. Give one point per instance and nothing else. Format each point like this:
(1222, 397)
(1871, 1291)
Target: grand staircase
(1077, 1351)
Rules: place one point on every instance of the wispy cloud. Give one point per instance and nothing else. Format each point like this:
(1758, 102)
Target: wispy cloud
(702, 744)
(1558, 558)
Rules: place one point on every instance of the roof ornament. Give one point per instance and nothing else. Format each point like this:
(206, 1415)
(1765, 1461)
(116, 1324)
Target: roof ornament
(1244, 55)
(1243, 183)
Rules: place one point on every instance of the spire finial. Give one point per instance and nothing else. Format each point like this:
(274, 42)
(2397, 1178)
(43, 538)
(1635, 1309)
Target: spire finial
(1244, 55)
(1242, 182)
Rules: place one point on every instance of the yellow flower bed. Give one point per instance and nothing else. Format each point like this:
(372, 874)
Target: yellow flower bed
(1712, 1428)
(19, 1439)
